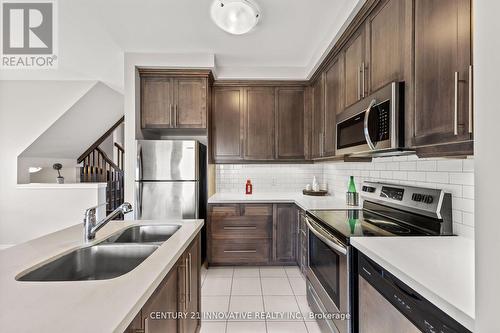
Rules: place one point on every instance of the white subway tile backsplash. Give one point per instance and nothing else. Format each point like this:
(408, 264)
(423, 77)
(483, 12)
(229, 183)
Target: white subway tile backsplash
(452, 175)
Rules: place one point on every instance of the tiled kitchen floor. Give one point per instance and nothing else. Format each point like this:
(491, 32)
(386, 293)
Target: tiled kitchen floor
(255, 289)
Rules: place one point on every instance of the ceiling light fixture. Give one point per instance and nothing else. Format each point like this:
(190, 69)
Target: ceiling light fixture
(235, 16)
(34, 169)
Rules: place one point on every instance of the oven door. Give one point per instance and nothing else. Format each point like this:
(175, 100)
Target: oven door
(371, 124)
(328, 277)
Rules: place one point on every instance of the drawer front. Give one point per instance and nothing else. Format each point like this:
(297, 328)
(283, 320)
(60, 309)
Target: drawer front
(241, 227)
(218, 211)
(257, 210)
(251, 251)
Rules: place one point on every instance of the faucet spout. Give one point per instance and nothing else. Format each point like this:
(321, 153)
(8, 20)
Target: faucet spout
(91, 227)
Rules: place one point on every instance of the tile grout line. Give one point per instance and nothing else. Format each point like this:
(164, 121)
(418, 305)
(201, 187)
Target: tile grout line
(263, 303)
(230, 296)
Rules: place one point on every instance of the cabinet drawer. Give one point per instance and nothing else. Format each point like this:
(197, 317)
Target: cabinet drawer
(256, 210)
(251, 251)
(241, 227)
(225, 210)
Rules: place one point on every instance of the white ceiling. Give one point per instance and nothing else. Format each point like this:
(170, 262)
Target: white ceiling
(288, 42)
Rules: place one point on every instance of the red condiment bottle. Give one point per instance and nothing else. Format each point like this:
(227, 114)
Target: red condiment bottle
(248, 187)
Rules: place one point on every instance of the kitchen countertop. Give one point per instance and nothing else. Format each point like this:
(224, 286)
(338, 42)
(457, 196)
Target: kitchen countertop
(80, 306)
(306, 202)
(441, 269)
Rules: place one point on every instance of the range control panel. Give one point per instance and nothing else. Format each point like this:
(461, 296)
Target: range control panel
(426, 198)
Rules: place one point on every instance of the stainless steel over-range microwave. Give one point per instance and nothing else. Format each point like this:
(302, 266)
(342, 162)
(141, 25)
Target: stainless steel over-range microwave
(375, 125)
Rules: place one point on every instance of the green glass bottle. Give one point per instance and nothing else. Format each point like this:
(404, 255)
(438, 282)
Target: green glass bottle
(352, 186)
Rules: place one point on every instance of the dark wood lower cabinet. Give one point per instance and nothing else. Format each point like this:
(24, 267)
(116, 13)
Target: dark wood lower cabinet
(302, 241)
(178, 292)
(252, 234)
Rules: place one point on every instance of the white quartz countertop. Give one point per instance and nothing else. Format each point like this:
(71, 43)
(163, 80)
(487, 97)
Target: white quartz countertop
(305, 202)
(82, 306)
(441, 269)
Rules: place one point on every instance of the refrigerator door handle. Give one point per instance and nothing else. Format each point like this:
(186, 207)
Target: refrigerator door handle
(138, 200)
(138, 168)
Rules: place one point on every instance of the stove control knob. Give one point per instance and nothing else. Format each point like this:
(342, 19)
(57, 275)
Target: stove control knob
(368, 189)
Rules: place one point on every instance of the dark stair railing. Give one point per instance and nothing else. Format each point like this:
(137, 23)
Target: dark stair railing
(97, 167)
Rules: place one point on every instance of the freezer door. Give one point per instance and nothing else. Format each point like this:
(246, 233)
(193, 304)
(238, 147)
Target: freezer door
(167, 160)
(166, 200)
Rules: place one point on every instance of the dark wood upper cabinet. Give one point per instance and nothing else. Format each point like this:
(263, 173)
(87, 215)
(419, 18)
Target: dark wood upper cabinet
(443, 84)
(354, 68)
(285, 233)
(388, 43)
(191, 103)
(174, 99)
(317, 118)
(290, 107)
(227, 123)
(334, 89)
(259, 123)
(157, 102)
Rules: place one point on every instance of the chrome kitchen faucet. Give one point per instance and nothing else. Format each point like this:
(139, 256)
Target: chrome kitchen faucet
(91, 226)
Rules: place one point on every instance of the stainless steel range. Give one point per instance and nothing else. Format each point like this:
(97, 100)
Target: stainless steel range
(388, 210)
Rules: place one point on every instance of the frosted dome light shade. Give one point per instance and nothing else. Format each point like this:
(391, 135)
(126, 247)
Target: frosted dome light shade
(235, 16)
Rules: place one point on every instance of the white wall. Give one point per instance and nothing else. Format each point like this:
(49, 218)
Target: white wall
(487, 118)
(27, 108)
(455, 176)
(132, 100)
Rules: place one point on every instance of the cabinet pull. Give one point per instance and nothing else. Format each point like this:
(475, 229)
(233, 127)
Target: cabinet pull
(359, 83)
(455, 116)
(240, 251)
(176, 114)
(146, 325)
(321, 144)
(471, 92)
(241, 228)
(190, 270)
(171, 114)
(186, 284)
(362, 79)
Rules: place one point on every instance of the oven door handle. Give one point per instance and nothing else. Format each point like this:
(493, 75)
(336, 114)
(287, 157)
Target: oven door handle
(366, 129)
(335, 245)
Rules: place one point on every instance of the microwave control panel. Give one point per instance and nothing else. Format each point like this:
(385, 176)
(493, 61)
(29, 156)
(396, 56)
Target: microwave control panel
(383, 120)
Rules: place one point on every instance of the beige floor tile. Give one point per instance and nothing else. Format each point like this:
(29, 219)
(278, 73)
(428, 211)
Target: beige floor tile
(286, 327)
(298, 286)
(246, 304)
(312, 327)
(276, 286)
(246, 272)
(304, 308)
(213, 327)
(272, 271)
(214, 303)
(246, 286)
(220, 271)
(216, 286)
(286, 306)
(246, 327)
(293, 271)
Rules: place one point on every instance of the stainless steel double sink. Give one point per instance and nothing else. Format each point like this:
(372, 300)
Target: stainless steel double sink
(110, 258)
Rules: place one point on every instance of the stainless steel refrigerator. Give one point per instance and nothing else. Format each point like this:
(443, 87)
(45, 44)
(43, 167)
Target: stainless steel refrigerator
(170, 180)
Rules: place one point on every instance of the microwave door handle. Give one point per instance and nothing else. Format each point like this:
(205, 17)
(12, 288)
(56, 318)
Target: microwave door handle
(366, 129)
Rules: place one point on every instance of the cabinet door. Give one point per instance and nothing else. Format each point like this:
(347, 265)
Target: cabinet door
(290, 123)
(388, 43)
(318, 118)
(227, 123)
(285, 233)
(157, 103)
(190, 277)
(259, 124)
(163, 300)
(442, 59)
(354, 68)
(191, 103)
(333, 103)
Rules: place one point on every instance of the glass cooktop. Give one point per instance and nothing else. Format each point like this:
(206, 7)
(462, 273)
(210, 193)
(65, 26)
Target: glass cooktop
(356, 223)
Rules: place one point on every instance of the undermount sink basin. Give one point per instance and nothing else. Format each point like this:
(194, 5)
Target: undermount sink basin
(98, 262)
(144, 234)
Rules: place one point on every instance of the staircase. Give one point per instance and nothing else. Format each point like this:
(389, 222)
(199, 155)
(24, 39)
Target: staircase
(98, 167)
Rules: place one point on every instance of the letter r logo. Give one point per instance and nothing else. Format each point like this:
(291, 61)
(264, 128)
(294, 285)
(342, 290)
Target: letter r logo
(27, 28)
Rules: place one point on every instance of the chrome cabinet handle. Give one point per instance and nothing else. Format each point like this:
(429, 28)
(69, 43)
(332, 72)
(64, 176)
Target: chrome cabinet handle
(334, 244)
(321, 144)
(186, 284)
(170, 106)
(190, 277)
(240, 251)
(366, 129)
(359, 83)
(455, 116)
(363, 79)
(176, 114)
(471, 92)
(146, 325)
(240, 228)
